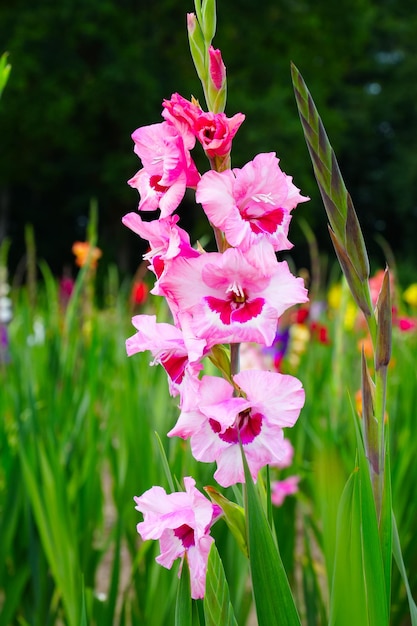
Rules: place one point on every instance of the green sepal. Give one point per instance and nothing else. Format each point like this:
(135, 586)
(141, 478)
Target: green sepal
(209, 20)
(198, 49)
(234, 516)
(217, 98)
(220, 358)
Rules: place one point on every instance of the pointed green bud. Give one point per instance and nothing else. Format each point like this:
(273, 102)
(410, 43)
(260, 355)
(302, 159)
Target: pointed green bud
(217, 82)
(209, 20)
(384, 328)
(197, 46)
(358, 287)
(234, 516)
(355, 244)
(221, 359)
(197, 4)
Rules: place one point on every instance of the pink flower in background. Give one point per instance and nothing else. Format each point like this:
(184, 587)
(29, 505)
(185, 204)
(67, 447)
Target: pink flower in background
(167, 168)
(182, 114)
(216, 420)
(280, 489)
(227, 299)
(215, 132)
(181, 522)
(217, 68)
(66, 288)
(406, 323)
(251, 205)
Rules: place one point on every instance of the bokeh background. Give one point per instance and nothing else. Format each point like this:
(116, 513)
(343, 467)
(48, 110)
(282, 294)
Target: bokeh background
(85, 74)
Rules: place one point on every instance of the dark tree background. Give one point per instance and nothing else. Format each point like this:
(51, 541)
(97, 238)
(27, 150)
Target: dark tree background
(85, 74)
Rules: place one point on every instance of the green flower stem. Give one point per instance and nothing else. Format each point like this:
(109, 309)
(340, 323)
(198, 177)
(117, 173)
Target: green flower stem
(380, 401)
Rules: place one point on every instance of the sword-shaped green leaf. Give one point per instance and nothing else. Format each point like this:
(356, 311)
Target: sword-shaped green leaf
(272, 593)
(217, 605)
(183, 607)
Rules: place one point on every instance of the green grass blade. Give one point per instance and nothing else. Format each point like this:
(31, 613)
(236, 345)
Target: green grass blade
(348, 595)
(358, 593)
(83, 620)
(272, 593)
(53, 519)
(183, 607)
(15, 589)
(217, 605)
(165, 463)
(378, 594)
(396, 550)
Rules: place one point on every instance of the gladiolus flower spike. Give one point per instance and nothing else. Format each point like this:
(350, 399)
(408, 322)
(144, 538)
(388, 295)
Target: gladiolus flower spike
(217, 301)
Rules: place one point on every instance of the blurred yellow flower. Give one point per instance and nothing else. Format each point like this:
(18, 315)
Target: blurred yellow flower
(334, 296)
(81, 250)
(410, 294)
(338, 297)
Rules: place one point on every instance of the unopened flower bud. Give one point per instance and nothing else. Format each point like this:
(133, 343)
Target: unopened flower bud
(209, 19)
(384, 329)
(197, 45)
(217, 68)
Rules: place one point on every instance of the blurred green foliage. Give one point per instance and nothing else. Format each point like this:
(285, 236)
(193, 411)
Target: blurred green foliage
(86, 74)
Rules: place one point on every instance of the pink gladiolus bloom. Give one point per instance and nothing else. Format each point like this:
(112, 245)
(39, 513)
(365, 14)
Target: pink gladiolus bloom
(155, 196)
(280, 489)
(217, 68)
(181, 522)
(251, 205)
(216, 420)
(227, 299)
(182, 114)
(215, 132)
(168, 347)
(287, 455)
(166, 239)
(167, 168)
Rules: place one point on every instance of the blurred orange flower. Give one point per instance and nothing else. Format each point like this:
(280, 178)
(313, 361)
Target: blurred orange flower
(366, 345)
(82, 250)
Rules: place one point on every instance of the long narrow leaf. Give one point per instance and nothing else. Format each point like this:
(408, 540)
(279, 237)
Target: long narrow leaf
(378, 593)
(396, 550)
(348, 594)
(217, 606)
(183, 607)
(273, 598)
(359, 591)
